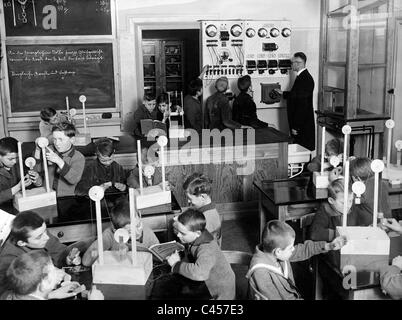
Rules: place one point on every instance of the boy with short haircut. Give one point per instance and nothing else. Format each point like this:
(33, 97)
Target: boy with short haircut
(192, 106)
(270, 272)
(10, 183)
(104, 171)
(360, 170)
(204, 260)
(120, 216)
(332, 148)
(244, 107)
(330, 213)
(33, 276)
(66, 163)
(198, 191)
(147, 110)
(28, 232)
(49, 118)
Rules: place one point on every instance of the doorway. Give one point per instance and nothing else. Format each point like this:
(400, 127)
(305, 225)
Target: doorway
(171, 58)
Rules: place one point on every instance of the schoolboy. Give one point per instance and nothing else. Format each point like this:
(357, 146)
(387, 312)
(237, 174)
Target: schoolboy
(103, 171)
(120, 216)
(192, 106)
(66, 163)
(10, 182)
(218, 112)
(198, 191)
(391, 276)
(49, 118)
(360, 170)
(270, 272)
(33, 276)
(147, 110)
(28, 232)
(204, 260)
(244, 107)
(330, 214)
(332, 148)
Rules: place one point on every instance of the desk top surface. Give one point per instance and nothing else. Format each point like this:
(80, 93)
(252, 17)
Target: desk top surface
(291, 191)
(80, 210)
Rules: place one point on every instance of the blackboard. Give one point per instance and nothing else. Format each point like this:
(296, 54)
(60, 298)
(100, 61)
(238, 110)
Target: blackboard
(57, 17)
(43, 75)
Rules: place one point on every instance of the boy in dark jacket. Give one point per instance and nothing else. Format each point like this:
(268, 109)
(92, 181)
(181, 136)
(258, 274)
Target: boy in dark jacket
(104, 171)
(332, 148)
(204, 260)
(270, 272)
(28, 232)
(360, 170)
(147, 110)
(244, 108)
(330, 214)
(10, 182)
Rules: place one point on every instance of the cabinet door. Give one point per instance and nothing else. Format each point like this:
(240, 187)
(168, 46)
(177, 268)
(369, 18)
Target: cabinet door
(174, 57)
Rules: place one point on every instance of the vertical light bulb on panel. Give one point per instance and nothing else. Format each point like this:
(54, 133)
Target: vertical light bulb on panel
(358, 189)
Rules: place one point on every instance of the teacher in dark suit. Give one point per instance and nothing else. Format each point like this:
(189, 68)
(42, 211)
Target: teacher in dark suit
(300, 104)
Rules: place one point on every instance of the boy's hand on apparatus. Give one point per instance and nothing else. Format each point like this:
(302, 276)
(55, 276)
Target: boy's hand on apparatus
(27, 181)
(35, 177)
(397, 262)
(120, 186)
(278, 91)
(173, 258)
(74, 257)
(106, 185)
(392, 224)
(336, 244)
(53, 157)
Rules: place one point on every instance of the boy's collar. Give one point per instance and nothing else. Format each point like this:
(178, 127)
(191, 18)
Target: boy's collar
(205, 237)
(331, 210)
(207, 207)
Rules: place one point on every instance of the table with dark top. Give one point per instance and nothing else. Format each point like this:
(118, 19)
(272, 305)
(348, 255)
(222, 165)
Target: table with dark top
(287, 199)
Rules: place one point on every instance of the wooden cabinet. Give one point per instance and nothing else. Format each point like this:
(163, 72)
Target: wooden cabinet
(356, 57)
(163, 62)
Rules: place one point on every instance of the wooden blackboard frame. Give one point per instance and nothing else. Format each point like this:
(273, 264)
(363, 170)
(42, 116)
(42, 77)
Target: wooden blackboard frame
(21, 117)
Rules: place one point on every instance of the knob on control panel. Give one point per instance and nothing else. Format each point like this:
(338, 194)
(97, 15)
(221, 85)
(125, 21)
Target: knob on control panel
(262, 32)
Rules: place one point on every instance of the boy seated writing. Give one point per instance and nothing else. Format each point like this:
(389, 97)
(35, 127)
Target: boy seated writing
(33, 276)
(360, 170)
(49, 118)
(10, 178)
(270, 272)
(204, 260)
(104, 171)
(332, 148)
(120, 216)
(391, 276)
(28, 233)
(66, 163)
(330, 213)
(198, 191)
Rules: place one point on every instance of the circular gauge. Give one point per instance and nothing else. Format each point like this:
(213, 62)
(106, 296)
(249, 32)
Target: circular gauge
(286, 32)
(358, 188)
(211, 30)
(250, 32)
(236, 30)
(262, 32)
(30, 162)
(274, 32)
(377, 165)
(123, 233)
(96, 193)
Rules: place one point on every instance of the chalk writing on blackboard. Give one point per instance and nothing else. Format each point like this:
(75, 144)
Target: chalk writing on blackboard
(43, 75)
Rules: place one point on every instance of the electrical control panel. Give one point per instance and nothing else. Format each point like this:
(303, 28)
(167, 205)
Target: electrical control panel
(267, 48)
(223, 48)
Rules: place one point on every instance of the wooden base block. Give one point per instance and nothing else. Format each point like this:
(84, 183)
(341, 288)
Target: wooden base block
(35, 198)
(367, 248)
(393, 173)
(82, 139)
(152, 196)
(320, 181)
(123, 272)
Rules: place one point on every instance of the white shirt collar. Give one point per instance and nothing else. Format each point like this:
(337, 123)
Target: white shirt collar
(36, 296)
(298, 73)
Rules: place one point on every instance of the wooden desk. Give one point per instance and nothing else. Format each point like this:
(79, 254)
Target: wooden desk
(73, 218)
(328, 275)
(287, 199)
(161, 284)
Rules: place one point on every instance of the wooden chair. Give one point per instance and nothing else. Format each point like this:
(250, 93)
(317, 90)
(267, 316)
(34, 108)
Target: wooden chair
(239, 262)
